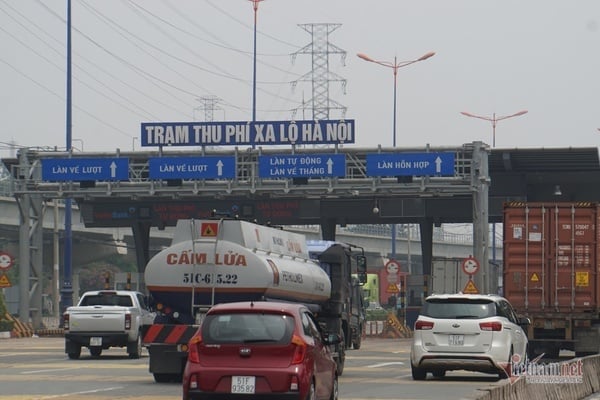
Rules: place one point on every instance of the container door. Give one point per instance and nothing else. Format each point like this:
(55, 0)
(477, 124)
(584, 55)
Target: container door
(525, 257)
(573, 255)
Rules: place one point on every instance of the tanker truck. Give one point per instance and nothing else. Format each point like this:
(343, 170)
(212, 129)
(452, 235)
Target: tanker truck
(226, 260)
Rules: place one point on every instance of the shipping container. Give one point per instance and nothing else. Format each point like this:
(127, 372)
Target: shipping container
(550, 273)
(448, 276)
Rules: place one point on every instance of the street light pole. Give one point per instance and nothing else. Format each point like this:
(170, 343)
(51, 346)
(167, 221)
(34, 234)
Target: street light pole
(66, 293)
(494, 120)
(395, 66)
(255, 7)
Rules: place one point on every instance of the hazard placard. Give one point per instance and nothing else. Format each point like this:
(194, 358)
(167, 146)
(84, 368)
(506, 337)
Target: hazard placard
(4, 281)
(209, 229)
(470, 288)
(582, 278)
(392, 289)
(534, 277)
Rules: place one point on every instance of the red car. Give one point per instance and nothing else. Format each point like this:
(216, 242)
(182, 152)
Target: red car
(260, 350)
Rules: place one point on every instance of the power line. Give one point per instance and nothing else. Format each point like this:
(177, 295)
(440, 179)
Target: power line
(320, 76)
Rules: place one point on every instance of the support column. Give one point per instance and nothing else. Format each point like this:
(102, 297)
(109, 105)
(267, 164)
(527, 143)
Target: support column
(24, 256)
(426, 245)
(31, 247)
(480, 182)
(328, 229)
(141, 239)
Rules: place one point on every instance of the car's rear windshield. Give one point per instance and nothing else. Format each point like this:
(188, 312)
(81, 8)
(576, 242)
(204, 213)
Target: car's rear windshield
(247, 328)
(458, 308)
(106, 299)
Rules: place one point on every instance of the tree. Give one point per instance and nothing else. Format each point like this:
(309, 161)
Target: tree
(5, 323)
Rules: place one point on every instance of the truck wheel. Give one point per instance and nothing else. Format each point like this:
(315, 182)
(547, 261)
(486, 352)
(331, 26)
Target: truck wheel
(341, 358)
(165, 378)
(95, 351)
(356, 343)
(162, 378)
(72, 349)
(74, 355)
(553, 352)
(134, 349)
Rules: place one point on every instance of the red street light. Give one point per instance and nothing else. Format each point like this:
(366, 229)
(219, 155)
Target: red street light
(395, 65)
(494, 120)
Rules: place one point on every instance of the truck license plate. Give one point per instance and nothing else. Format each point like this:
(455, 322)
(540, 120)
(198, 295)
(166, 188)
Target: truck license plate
(242, 384)
(456, 340)
(95, 341)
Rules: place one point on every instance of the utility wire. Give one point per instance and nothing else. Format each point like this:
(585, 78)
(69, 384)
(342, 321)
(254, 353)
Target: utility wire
(79, 56)
(61, 97)
(250, 27)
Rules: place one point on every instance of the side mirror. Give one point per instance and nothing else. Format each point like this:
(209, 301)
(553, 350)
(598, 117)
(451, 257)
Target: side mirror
(332, 338)
(361, 265)
(524, 321)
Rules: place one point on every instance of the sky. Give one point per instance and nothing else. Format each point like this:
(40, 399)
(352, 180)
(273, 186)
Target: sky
(137, 61)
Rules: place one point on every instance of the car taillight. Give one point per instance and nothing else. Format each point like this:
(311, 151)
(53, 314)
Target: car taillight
(423, 325)
(127, 322)
(294, 384)
(193, 381)
(66, 322)
(490, 326)
(300, 349)
(193, 352)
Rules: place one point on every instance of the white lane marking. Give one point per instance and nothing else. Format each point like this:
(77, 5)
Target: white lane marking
(385, 364)
(41, 371)
(54, 396)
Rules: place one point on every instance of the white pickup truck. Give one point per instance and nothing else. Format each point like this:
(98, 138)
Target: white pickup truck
(107, 318)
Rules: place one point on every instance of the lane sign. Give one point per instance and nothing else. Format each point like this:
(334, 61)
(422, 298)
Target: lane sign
(410, 164)
(6, 260)
(209, 167)
(85, 169)
(302, 166)
(470, 265)
(470, 288)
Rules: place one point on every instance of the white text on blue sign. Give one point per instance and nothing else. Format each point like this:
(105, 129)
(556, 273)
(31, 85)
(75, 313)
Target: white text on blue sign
(302, 166)
(85, 169)
(210, 167)
(247, 133)
(410, 164)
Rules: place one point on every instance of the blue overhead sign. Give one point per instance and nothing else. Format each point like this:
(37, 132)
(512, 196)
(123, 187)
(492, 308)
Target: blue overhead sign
(192, 167)
(242, 133)
(302, 166)
(410, 164)
(85, 169)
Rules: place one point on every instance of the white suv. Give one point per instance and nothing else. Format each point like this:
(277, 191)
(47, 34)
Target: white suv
(471, 332)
